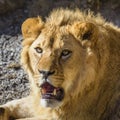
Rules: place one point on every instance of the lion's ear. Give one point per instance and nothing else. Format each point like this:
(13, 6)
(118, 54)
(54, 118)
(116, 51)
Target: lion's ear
(84, 31)
(32, 27)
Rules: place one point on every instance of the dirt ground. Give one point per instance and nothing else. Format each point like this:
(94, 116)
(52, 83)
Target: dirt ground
(13, 79)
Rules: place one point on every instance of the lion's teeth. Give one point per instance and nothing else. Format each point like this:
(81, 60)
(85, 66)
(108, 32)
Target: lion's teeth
(54, 92)
(43, 91)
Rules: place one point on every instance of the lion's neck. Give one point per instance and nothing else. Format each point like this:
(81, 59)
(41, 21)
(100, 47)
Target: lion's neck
(92, 103)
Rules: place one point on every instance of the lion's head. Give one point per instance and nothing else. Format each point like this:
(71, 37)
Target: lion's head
(61, 55)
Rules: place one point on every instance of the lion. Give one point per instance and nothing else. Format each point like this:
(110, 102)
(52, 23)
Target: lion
(73, 63)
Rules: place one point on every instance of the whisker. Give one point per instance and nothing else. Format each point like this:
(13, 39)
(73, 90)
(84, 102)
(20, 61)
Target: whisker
(36, 76)
(57, 79)
(37, 64)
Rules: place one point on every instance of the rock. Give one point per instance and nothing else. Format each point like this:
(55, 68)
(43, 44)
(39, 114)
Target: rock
(40, 7)
(43, 7)
(13, 80)
(8, 5)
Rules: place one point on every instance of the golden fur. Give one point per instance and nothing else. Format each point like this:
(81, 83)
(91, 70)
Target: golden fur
(89, 73)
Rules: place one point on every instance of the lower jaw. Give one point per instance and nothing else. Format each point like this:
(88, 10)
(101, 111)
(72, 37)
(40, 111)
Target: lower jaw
(52, 103)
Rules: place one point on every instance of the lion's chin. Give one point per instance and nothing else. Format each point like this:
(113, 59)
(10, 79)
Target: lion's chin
(52, 103)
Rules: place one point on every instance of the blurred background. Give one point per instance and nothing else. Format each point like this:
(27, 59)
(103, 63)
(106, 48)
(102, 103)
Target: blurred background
(13, 79)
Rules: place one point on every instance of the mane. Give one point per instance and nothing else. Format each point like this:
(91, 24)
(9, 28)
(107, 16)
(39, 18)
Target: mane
(61, 17)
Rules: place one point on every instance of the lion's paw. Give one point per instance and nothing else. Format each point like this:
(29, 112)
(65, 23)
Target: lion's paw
(3, 114)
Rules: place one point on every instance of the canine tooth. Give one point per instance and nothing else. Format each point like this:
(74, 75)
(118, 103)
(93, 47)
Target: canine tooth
(54, 92)
(43, 91)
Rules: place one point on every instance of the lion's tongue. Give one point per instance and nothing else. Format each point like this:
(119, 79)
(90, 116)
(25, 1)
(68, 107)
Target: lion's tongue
(50, 92)
(47, 88)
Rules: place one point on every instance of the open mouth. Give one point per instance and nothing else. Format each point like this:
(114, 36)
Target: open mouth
(48, 91)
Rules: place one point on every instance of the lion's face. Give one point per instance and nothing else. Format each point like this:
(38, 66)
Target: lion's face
(60, 61)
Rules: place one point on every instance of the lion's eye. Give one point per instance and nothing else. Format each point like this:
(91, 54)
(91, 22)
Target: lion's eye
(38, 50)
(65, 54)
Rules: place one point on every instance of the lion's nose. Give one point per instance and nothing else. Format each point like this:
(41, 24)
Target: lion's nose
(46, 73)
